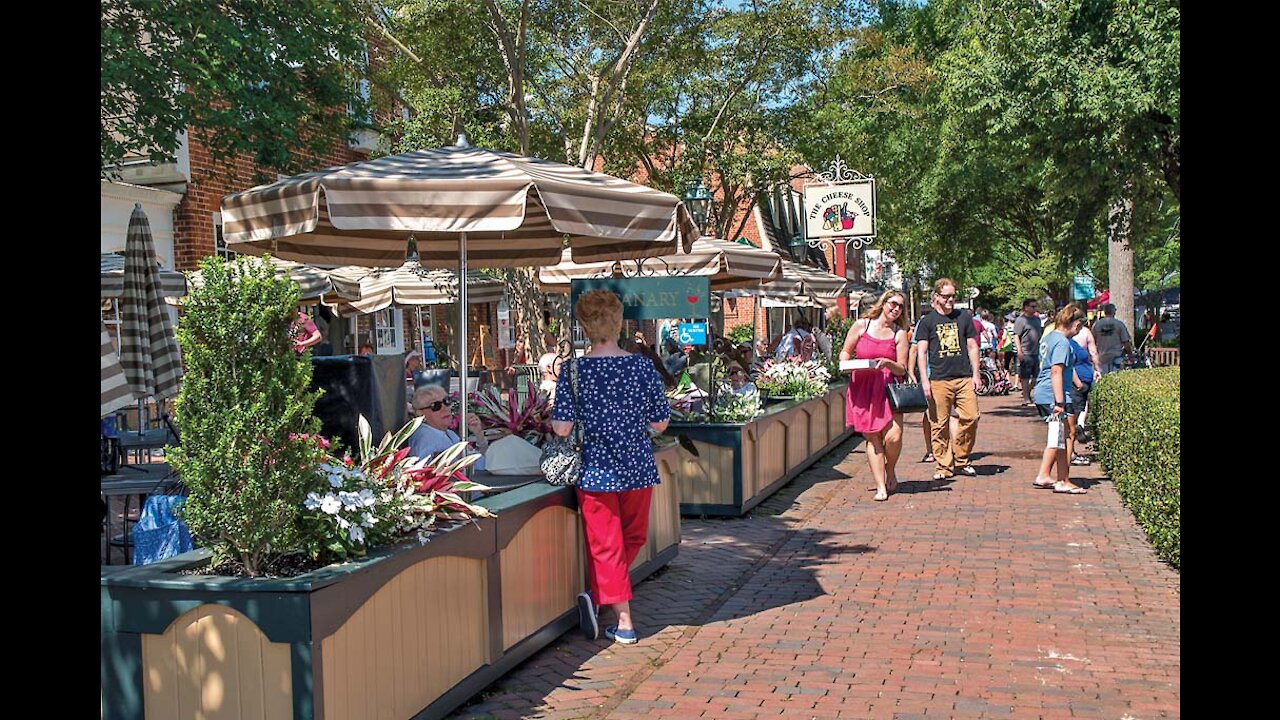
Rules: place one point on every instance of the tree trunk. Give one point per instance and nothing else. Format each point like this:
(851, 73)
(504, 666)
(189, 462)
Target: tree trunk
(1120, 257)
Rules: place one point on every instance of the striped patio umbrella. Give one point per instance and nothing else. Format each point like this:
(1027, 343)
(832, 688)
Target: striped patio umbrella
(373, 289)
(802, 286)
(172, 283)
(148, 350)
(727, 264)
(463, 205)
(510, 211)
(115, 388)
(313, 283)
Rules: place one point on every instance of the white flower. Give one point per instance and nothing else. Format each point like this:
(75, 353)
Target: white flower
(369, 520)
(356, 533)
(342, 522)
(331, 504)
(312, 502)
(350, 500)
(335, 481)
(367, 498)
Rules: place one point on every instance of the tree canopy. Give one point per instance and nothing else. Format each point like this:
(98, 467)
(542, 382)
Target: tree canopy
(269, 79)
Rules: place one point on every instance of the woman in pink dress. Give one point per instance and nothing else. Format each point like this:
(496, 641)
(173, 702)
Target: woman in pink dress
(880, 335)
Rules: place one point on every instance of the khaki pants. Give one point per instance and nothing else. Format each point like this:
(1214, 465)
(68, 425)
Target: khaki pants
(958, 393)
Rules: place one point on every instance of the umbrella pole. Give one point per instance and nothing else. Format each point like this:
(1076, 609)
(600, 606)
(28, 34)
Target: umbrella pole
(462, 339)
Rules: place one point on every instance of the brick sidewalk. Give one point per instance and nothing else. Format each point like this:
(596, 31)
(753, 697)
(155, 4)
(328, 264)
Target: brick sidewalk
(981, 597)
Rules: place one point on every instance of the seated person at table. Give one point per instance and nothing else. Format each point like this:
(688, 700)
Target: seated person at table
(434, 436)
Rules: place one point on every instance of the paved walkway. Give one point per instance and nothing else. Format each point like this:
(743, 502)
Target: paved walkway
(980, 597)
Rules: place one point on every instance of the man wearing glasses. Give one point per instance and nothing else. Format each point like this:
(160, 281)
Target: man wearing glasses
(949, 344)
(1028, 328)
(434, 436)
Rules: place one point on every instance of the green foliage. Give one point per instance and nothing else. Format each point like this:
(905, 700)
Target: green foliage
(743, 333)
(1136, 417)
(265, 78)
(245, 400)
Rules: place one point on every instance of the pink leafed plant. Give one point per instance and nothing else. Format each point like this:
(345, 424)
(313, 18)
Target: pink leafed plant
(504, 411)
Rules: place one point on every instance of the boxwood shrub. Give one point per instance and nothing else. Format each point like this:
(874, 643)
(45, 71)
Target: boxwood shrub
(1135, 415)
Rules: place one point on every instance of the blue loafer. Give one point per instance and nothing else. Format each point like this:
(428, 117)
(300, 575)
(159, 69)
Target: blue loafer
(626, 637)
(587, 620)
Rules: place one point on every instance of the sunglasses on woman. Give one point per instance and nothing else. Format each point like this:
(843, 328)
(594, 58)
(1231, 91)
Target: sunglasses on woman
(435, 406)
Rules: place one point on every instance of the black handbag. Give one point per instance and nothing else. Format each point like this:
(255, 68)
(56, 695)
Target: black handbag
(561, 461)
(907, 397)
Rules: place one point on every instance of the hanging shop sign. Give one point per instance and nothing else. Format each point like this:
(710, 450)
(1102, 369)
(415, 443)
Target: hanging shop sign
(653, 298)
(840, 204)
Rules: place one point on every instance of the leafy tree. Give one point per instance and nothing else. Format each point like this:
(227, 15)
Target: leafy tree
(256, 77)
(245, 400)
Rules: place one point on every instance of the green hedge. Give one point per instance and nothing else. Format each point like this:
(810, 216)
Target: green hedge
(1135, 416)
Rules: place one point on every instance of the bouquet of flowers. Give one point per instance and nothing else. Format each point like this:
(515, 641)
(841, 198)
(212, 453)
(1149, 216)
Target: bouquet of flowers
(384, 497)
(794, 377)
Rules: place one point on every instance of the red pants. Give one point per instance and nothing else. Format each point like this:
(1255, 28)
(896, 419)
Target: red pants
(617, 526)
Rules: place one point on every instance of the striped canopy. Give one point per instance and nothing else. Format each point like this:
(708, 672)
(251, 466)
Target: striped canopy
(802, 286)
(115, 388)
(410, 284)
(516, 211)
(148, 349)
(727, 264)
(172, 283)
(313, 283)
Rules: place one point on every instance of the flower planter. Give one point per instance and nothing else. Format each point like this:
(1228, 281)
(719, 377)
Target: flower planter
(741, 464)
(409, 632)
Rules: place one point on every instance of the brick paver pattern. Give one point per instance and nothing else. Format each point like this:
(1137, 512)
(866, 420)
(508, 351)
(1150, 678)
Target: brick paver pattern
(974, 598)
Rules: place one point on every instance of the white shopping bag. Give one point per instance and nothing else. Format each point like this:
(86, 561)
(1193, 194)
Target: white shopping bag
(1057, 436)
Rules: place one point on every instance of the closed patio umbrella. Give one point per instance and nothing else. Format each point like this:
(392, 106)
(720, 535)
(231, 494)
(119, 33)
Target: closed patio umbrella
(463, 205)
(148, 350)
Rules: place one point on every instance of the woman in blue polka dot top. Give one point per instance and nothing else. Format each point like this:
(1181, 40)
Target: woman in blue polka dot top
(619, 397)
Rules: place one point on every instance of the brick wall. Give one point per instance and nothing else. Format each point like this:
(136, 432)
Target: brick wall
(193, 217)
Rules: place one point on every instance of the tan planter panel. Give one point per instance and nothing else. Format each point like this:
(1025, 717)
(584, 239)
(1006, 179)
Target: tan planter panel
(771, 451)
(211, 663)
(835, 418)
(541, 573)
(707, 478)
(420, 634)
(798, 449)
(819, 427)
(664, 510)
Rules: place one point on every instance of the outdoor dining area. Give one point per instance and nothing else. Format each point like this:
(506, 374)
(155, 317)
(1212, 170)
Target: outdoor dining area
(414, 627)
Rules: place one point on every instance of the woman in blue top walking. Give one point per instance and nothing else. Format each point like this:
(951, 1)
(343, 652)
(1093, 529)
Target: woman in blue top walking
(619, 397)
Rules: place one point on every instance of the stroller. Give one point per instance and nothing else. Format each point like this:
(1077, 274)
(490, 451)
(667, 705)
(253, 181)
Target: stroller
(995, 381)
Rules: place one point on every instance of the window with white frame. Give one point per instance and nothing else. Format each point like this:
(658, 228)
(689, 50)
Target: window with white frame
(219, 244)
(388, 331)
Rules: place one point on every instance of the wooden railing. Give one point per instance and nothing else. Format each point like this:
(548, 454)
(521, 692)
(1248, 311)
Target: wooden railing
(1164, 357)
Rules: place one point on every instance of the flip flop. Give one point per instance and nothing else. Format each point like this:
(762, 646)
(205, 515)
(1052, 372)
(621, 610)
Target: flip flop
(880, 497)
(1043, 484)
(1068, 489)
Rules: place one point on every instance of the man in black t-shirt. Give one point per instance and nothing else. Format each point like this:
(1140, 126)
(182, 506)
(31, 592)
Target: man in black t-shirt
(948, 342)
